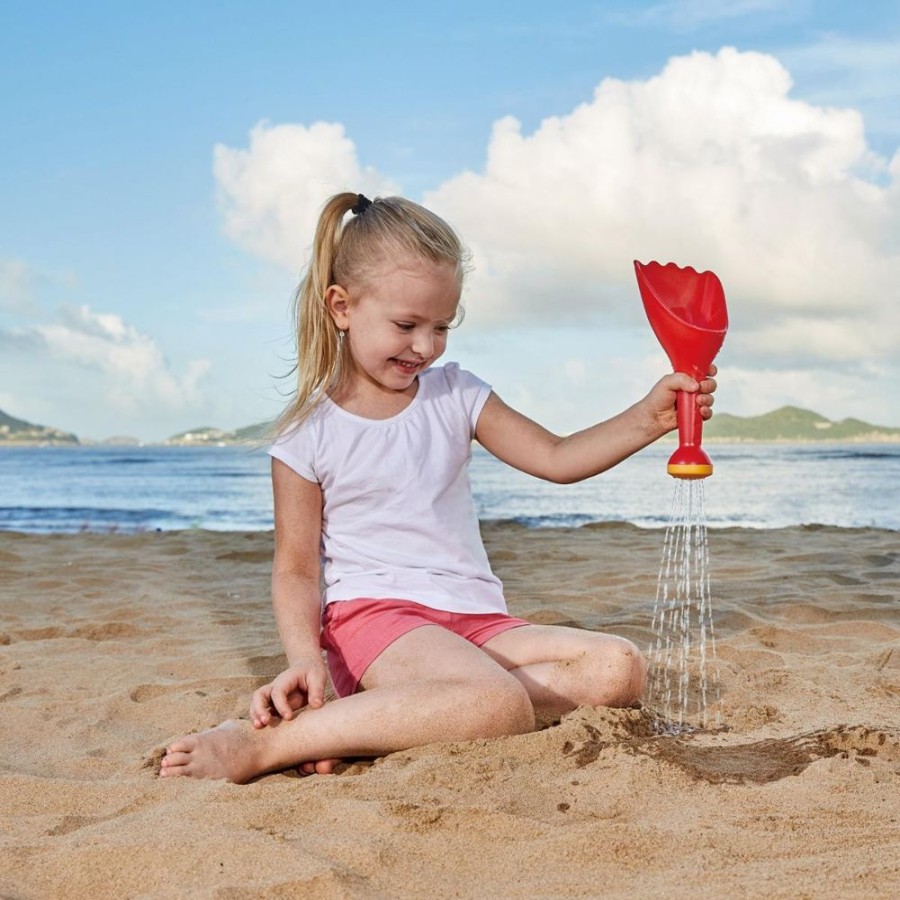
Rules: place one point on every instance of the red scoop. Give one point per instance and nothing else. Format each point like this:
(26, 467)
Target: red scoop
(687, 313)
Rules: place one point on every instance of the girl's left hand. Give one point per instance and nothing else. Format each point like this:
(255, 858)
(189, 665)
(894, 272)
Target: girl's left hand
(705, 393)
(661, 400)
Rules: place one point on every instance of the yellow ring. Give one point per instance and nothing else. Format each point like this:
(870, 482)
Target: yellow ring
(689, 470)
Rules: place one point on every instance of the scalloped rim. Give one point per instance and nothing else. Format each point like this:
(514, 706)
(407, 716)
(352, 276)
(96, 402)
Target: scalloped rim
(675, 266)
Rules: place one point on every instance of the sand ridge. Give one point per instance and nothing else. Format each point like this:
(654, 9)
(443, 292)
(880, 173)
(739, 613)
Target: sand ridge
(110, 645)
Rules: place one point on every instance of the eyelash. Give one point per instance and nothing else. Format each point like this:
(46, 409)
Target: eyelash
(408, 326)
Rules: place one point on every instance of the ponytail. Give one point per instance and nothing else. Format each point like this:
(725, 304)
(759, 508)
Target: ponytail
(319, 343)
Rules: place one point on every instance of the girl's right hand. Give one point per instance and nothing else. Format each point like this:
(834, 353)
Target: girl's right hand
(300, 685)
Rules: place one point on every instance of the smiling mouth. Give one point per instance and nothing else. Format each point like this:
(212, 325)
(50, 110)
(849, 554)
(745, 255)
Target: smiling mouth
(406, 364)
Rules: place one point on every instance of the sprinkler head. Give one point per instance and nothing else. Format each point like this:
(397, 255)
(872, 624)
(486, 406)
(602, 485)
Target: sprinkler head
(689, 462)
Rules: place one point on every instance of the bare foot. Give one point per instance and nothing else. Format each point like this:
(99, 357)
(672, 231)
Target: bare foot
(229, 750)
(321, 767)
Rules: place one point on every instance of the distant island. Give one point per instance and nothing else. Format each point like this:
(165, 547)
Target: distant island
(208, 436)
(788, 424)
(20, 433)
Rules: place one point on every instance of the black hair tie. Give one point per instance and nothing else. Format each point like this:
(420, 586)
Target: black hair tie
(362, 204)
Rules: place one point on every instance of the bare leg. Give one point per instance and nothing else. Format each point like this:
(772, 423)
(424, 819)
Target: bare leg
(429, 685)
(562, 668)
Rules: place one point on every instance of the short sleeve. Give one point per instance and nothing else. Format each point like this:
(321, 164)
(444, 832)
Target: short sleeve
(296, 448)
(471, 390)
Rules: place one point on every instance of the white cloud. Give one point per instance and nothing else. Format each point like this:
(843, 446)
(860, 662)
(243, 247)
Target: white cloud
(137, 377)
(271, 193)
(712, 164)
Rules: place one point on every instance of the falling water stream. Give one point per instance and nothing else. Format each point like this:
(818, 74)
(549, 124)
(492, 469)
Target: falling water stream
(684, 675)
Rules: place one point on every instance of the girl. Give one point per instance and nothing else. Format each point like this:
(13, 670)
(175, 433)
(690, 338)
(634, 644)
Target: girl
(370, 475)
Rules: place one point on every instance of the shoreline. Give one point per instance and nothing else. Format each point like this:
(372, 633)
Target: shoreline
(486, 524)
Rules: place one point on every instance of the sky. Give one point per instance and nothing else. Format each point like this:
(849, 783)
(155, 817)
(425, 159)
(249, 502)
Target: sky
(162, 165)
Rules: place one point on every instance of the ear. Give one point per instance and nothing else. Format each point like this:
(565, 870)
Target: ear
(337, 302)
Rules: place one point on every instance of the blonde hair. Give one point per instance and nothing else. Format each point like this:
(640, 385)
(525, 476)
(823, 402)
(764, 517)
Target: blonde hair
(348, 255)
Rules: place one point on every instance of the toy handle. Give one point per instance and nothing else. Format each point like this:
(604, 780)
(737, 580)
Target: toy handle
(690, 422)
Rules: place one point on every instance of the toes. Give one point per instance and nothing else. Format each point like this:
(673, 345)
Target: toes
(168, 770)
(182, 745)
(319, 767)
(174, 759)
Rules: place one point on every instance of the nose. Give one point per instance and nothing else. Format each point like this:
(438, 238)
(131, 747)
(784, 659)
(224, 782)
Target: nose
(423, 343)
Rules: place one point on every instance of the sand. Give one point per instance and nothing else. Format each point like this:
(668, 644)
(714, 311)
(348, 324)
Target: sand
(111, 645)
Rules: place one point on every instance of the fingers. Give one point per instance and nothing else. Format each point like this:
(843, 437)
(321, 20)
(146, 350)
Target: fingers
(680, 381)
(300, 686)
(260, 706)
(315, 688)
(279, 698)
(685, 383)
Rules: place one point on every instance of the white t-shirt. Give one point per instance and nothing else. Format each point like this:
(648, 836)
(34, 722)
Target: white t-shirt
(398, 520)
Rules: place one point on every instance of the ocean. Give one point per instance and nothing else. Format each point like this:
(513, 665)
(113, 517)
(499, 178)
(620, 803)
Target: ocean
(135, 489)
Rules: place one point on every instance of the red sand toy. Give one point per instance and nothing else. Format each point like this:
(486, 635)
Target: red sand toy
(687, 313)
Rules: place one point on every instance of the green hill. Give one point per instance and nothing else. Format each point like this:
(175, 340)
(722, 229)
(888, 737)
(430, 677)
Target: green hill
(18, 432)
(207, 435)
(253, 432)
(790, 423)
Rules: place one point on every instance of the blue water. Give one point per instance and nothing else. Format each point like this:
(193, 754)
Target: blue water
(56, 489)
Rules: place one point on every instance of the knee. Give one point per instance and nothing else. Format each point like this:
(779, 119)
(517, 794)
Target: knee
(620, 674)
(505, 708)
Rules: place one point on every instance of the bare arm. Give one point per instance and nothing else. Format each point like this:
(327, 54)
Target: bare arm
(296, 598)
(525, 445)
(296, 593)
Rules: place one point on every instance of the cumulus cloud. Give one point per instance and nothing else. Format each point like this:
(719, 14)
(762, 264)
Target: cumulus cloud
(137, 378)
(713, 164)
(271, 193)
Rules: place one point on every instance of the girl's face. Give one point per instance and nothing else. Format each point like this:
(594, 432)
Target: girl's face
(397, 324)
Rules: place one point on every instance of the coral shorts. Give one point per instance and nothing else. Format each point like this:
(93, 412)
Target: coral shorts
(355, 632)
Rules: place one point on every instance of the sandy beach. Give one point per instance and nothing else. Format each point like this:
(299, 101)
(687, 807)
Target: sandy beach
(111, 645)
